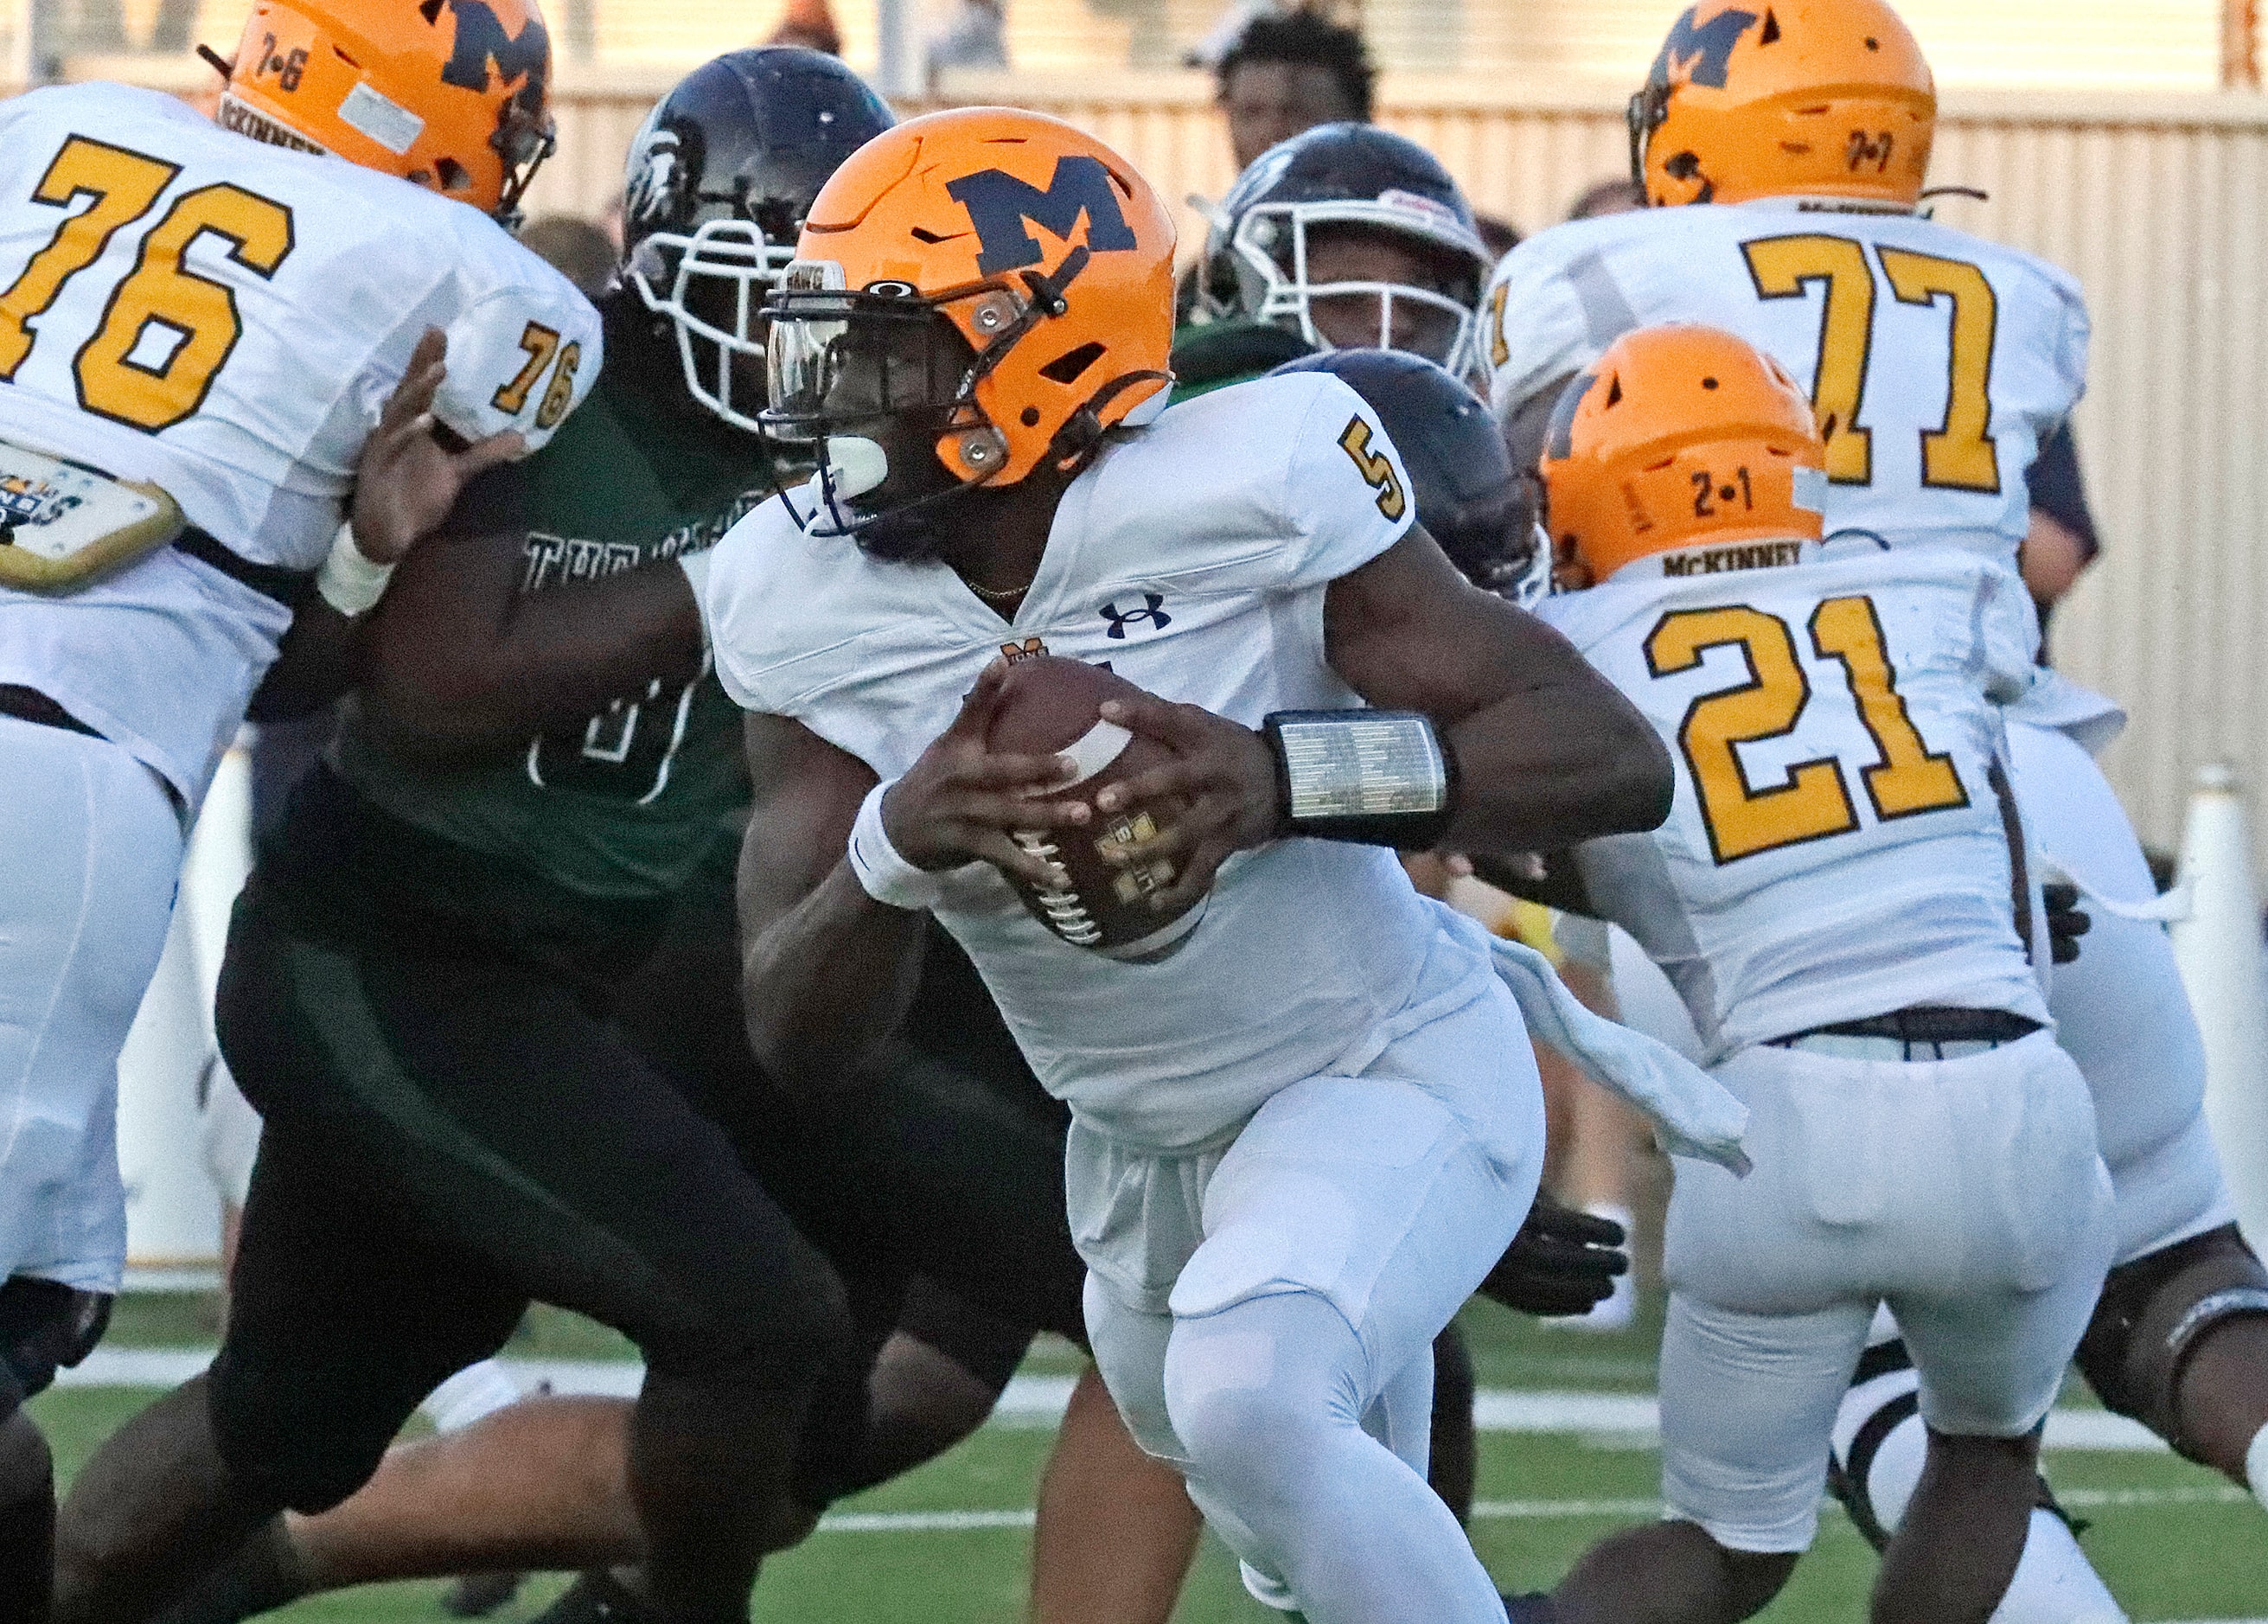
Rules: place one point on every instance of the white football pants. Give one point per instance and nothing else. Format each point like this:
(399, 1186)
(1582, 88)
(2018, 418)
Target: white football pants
(1966, 1194)
(1311, 1263)
(90, 851)
(2120, 1009)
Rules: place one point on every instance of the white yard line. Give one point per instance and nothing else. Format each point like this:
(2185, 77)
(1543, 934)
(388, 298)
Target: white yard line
(1038, 1401)
(1520, 1510)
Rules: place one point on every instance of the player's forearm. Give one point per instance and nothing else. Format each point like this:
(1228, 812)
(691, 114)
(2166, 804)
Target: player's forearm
(465, 663)
(827, 983)
(1553, 765)
(314, 665)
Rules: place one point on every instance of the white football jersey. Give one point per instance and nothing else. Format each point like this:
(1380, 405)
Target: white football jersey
(1935, 360)
(225, 319)
(1192, 559)
(1836, 847)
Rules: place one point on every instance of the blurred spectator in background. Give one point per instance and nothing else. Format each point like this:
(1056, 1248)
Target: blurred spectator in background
(807, 23)
(578, 249)
(1619, 195)
(1288, 72)
(2061, 543)
(976, 36)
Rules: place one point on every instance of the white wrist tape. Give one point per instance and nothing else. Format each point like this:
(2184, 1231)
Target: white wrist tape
(348, 580)
(883, 874)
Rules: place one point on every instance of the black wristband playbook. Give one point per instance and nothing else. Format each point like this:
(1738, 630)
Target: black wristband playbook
(1377, 777)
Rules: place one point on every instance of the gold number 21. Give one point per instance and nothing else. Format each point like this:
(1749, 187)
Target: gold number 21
(1814, 802)
(1957, 454)
(198, 312)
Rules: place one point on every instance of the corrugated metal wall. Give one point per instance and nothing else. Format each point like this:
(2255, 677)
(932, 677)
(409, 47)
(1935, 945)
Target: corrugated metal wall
(2159, 205)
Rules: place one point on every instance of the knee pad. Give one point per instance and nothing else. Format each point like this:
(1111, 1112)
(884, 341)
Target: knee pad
(45, 1326)
(988, 1347)
(2150, 1317)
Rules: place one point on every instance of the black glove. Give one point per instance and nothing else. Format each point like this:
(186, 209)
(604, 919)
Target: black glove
(2066, 922)
(1561, 1262)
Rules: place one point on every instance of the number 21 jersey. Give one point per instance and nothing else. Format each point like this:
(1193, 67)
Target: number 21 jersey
(187, 307)
(1837, 846)
(1936, 361)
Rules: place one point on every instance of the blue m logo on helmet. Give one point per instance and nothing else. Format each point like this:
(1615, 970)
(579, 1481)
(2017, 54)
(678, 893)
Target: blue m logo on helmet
(999, 205)
(1705, 54)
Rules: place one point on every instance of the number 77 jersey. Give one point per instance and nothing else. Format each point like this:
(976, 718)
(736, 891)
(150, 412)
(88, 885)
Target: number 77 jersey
(1840, 844)
(1935, 361)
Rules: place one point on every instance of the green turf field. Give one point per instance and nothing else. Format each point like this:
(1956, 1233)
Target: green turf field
(2176, 1542)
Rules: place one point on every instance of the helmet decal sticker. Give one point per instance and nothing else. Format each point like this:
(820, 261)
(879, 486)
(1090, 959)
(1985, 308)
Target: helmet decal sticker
(999, 204)
(482, 40)
(1705, 54)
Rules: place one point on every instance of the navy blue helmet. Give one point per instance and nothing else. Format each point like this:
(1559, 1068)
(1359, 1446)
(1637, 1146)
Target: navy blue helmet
(721, 175)
(1470, 497)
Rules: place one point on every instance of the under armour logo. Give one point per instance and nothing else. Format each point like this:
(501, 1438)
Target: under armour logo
(1153, 609)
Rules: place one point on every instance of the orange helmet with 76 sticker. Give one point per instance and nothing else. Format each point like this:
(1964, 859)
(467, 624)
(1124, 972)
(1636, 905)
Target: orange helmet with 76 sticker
(453, 95)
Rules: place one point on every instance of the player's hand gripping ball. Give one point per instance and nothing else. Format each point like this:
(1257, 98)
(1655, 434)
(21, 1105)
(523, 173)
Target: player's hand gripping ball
(1049, 704)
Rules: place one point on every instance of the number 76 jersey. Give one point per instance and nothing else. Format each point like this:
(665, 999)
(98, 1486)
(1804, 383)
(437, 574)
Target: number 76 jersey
(188, 306)
(1840, 844)
(1936, 361)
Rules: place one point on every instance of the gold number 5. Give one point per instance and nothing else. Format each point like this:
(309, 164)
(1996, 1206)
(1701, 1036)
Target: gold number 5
(187, 323)
(1815, 800)
(1376, 466)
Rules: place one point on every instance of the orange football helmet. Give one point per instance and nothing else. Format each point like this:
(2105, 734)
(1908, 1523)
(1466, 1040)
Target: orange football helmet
(1784, 99)
(998, 277)
(450, 94)
(1679, 436)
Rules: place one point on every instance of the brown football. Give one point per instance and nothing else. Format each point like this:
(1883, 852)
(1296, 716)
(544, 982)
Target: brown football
(1052, 703)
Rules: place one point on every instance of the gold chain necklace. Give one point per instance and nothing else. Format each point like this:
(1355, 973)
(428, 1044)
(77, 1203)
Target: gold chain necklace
(997, 594)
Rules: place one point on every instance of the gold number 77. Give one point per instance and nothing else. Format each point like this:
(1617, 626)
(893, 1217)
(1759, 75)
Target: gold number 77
(1957, 454)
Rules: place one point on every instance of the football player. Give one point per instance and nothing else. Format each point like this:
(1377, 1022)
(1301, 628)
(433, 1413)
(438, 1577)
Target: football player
(1842, 894)
(1784, 149)
(1294, 1151)
(419, 971)
(1345, 236)
(201, 327)
(474, 748)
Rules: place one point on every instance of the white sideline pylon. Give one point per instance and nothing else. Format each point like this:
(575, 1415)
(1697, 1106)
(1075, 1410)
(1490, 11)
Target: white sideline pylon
(2225, 968)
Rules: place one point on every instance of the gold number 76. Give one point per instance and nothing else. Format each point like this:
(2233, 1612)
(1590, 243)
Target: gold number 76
(1957, 454)
(160, 293)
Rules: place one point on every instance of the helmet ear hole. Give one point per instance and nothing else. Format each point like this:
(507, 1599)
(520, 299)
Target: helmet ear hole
(1066, 367)
(453, 176)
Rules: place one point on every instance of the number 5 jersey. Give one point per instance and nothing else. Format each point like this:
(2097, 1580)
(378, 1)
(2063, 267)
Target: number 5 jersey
(186, 307)
(1841, 844)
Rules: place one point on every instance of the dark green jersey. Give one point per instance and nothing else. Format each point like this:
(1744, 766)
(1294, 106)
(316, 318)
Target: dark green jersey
(623, 805)
(1212, 355)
